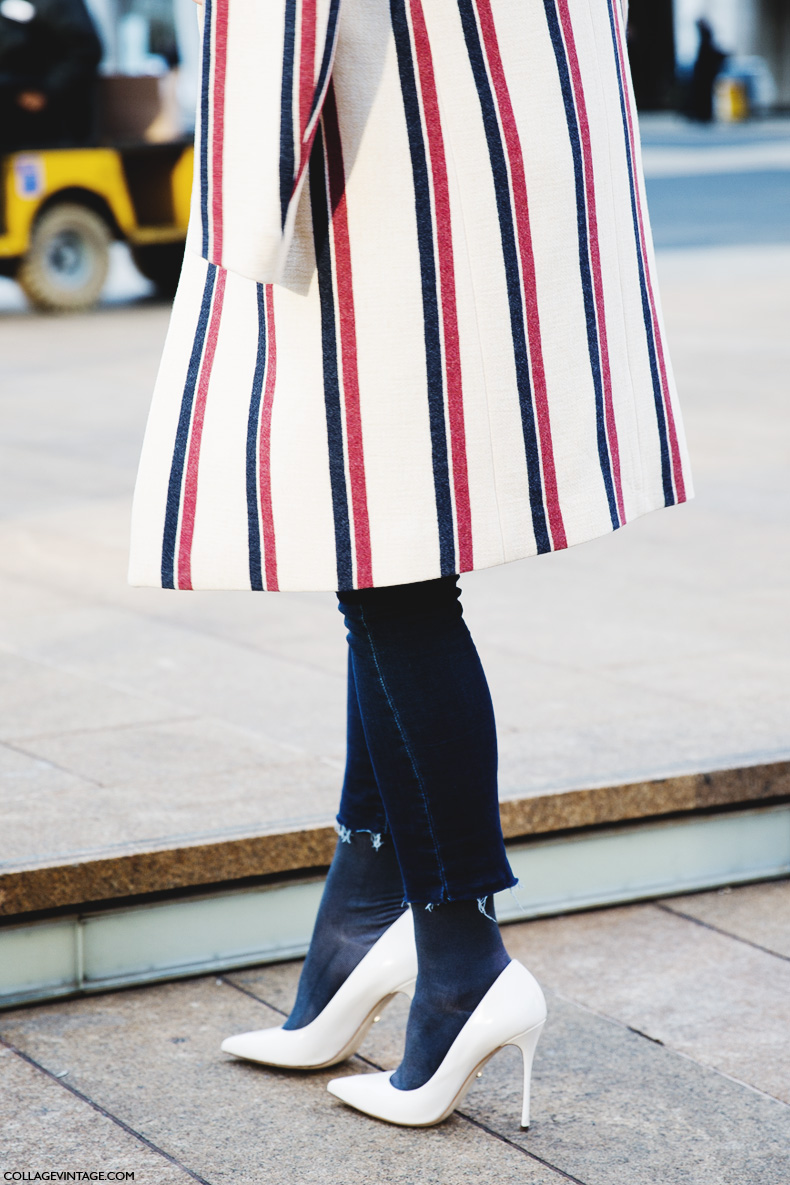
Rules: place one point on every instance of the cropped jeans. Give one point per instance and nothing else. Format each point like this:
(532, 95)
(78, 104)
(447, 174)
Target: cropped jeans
(421, 759)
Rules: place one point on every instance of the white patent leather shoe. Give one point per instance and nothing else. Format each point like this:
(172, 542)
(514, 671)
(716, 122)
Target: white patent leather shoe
(512, 1012)
(389, 967)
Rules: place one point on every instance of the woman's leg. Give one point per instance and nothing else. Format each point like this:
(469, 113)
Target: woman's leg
(430, 735)
(364, 892)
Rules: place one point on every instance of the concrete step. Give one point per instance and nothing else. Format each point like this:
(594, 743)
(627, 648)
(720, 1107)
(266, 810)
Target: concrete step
(123, 918)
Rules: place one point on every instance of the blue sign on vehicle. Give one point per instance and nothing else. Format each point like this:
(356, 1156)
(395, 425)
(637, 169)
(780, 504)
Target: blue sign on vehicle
(29, 175)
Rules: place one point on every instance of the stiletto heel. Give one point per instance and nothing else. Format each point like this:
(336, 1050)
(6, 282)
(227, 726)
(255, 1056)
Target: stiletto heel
(527, 1043)
(512, 1012)
(389, 967)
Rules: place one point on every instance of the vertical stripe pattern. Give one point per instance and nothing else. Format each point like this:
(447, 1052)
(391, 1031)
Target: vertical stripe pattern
(442, 221)
(346, 321)
(563, 41)
(183, 484)
(509, 180)
(212, 126)
(306, 65)
(301, 93)
(260, 517)
(671, 466)
(446, 347)
(287, 153)
(204, 123)
(326, 58)
(431, 290)
(339, 350)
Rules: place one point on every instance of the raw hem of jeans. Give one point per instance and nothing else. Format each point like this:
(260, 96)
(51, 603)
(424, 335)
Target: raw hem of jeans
(345, 834)
(472, 895)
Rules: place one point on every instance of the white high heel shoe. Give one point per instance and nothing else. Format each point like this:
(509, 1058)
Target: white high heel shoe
(389, 967)
(512, 1012)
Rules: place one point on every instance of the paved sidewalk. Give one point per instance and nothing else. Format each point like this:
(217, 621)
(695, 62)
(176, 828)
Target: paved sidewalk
(665, 1059)
(128, 715)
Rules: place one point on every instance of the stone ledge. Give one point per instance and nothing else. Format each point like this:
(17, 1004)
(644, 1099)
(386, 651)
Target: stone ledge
(108, 875)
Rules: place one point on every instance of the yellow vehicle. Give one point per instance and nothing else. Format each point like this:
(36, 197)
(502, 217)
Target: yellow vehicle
(61, 208)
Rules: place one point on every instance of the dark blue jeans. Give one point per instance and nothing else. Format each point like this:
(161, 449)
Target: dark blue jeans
(422, 756)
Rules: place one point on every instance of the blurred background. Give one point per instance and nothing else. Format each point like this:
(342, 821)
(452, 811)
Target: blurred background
(97, 105)
(97, 102)
(751, 77)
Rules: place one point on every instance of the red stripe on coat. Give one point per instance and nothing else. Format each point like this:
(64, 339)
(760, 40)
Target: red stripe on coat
(265, 449)
(218, 124)
(595, 250)
(348, 341)
(306, 65)
(189, 498)
(518, 184)
(447, 292)
(306, 95)
(677, 466)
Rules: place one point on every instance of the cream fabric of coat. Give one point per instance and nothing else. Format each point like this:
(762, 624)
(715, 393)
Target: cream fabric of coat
(417, 330)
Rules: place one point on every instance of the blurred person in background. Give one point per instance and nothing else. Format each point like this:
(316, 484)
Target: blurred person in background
(710, 60)
(49, 56)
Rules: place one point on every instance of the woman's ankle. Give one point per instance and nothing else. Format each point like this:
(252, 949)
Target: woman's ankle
(363, 896)
(460, 955)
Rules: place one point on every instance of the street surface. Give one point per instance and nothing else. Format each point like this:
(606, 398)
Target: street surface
(664, 1061)
(137, 715)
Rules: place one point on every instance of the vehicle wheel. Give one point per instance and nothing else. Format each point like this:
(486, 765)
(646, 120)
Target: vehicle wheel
(160, 263)
(66, 264)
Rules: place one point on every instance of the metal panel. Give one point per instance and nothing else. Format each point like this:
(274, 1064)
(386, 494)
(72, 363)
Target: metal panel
(633, 863)
(179, 937)
(41, 958)
(237, 928)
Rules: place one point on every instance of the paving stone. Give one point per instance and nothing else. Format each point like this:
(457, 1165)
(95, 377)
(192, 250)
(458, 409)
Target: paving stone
(29, 789)
(719, 1001)
(37, 699)
(45, 1128)
(304, 628)
(176, 750)
(608, 1105)
(296, 706)
(72, 401)
(611, 1107)
(24, 600)
(756, 913)
(169, 808)
(234, 1122)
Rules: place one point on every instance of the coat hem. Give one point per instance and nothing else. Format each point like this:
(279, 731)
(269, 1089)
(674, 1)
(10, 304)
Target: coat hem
(137, 580)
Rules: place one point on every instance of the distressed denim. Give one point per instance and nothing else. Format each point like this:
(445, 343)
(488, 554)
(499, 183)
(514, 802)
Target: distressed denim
(421, 747)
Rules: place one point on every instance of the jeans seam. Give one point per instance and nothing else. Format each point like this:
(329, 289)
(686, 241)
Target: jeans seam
(407, 747)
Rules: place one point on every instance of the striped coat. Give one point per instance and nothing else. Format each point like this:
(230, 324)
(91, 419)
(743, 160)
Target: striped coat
(417, 330)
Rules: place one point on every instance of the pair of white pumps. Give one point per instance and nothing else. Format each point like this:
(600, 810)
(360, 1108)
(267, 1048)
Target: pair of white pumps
(512, 1012)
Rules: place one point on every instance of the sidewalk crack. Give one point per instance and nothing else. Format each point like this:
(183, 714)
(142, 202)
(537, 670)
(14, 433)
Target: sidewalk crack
(671, 1049)
(519, 1148)
(678, 913)
(246, 992)
(461, 1114)
(102, 1111)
